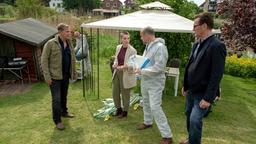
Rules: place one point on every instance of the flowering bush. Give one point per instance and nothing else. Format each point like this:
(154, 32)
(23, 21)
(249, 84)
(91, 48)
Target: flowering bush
(242, 67)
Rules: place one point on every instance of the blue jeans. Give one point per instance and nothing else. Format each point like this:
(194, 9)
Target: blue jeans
(194, 117)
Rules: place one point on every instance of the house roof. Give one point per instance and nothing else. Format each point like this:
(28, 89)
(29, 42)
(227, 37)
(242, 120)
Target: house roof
(28, 30)
(202, 5)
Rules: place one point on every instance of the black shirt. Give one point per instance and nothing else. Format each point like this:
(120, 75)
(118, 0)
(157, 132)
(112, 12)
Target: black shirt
(66, 59)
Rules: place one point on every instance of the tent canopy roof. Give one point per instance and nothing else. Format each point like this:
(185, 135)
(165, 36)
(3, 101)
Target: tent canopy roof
(160, 20)
(156, 5)
(156, 16)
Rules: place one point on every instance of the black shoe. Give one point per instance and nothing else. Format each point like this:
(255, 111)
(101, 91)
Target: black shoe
(119, 111)
(68, 115)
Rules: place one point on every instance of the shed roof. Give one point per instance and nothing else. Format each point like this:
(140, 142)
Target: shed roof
(28, 30)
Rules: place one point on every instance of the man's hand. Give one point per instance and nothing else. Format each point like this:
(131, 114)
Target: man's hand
(184, 93)
(49, 82)
(204, 104)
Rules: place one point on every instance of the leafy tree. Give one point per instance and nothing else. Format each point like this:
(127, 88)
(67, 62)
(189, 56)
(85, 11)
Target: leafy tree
(46, 2)
(10, 2)
(70, 4)
(180, 7)
(29, 8)
(6, 10)
(239, 29)
(83, 5)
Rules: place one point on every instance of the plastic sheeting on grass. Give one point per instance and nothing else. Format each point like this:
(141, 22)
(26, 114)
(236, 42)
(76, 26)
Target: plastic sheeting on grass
(109, 108)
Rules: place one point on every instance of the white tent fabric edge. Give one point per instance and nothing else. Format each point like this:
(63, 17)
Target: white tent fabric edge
(160, 20)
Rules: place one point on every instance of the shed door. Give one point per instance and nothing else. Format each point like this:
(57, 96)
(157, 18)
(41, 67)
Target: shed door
(6, 47)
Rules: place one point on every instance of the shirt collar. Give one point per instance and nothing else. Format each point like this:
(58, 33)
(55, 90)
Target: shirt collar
(202, 40)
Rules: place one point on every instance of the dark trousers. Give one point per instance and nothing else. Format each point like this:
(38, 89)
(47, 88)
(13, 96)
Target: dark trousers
(194, 117)
(59, 91)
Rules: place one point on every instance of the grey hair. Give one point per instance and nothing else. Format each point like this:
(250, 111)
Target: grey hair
(148, 30)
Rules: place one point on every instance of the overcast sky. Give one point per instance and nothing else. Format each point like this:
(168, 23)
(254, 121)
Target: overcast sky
(198, 2)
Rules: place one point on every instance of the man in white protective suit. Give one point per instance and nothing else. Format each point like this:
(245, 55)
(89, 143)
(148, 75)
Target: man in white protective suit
(82, 51)
(153, 83)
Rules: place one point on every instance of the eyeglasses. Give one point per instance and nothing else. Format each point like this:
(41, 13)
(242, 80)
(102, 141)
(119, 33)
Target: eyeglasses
(197, 25)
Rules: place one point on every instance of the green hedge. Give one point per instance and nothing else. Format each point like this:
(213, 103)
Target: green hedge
(178, 45)
(242, 67)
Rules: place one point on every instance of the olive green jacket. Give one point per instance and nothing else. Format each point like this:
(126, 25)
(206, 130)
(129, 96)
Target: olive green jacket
(51, 60)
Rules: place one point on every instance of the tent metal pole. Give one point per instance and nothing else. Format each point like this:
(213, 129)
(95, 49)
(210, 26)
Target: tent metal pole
(119, 36)
(92, 54)
(98, 62)
(82, 30)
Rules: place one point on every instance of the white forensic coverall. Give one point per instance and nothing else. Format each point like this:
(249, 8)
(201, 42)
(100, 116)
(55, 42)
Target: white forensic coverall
(152, 85)
(85, 55)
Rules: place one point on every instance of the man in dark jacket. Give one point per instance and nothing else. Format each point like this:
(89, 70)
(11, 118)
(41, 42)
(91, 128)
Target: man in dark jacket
(203, 74)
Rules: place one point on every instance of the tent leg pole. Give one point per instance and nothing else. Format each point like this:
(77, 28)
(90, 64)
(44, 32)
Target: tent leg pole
(83, 64)
(92, 56)
(98, 62)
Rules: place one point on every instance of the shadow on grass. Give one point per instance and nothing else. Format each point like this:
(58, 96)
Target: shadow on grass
(38, 91)
(68, 136)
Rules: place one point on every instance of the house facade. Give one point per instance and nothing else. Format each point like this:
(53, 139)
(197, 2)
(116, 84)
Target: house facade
(112, 4)
(210, 5)
(109, 8)
(57, 5)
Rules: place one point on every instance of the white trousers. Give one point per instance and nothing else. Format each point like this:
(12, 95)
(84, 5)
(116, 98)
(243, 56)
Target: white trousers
(152, 100)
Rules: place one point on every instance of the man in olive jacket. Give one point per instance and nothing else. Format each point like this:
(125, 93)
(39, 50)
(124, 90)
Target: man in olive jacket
(58, 64)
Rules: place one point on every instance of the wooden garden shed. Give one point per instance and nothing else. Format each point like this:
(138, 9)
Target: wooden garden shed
(25, 39)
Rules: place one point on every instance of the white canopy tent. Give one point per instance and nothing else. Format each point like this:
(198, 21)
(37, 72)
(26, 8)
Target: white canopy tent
(160, 20)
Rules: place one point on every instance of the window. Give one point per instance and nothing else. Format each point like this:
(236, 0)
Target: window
(211, 9)
(107, 4)
(53, 4)
(58, 5)
(115, 5)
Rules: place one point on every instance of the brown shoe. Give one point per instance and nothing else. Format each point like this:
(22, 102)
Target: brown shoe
(123, 115)
(143, 126)
(166, 141)
(184, 142)
(60, 126)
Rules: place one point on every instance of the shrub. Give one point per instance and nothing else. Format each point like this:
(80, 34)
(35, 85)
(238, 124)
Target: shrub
(242, 67)
(178, 44)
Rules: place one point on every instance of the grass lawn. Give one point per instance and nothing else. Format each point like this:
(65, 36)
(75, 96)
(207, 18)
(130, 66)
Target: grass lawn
(26, 118)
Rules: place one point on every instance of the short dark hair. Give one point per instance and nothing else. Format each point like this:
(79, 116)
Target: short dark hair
(148, 30)
(205, 18)
(61, 27)
(124, 33)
